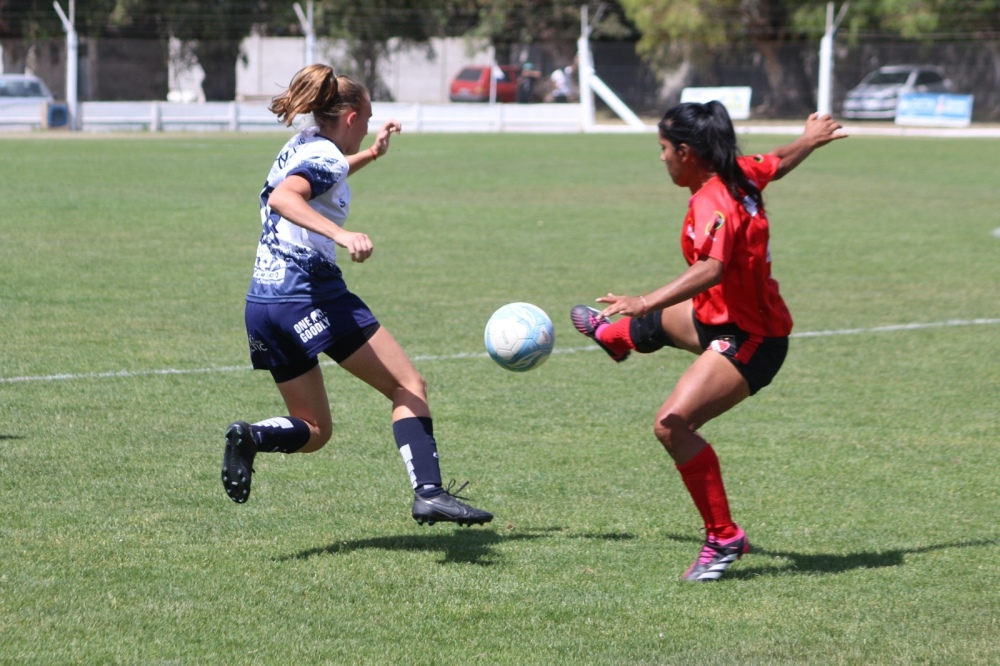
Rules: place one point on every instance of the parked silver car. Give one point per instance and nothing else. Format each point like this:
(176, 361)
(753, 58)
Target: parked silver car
(875, 98)
(23, 87)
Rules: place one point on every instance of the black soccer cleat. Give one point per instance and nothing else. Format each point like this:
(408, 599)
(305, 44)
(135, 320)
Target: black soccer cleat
(237, 461)
(586, 320)
(445, 508)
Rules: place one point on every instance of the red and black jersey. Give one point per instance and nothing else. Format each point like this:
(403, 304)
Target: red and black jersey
(737, 234)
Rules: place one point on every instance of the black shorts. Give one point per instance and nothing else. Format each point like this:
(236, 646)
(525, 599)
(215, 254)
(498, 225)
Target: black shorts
(758, 359)
(287, 338)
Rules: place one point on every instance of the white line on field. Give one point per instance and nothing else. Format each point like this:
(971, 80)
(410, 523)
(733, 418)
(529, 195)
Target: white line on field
(453, 357)
(897, 327)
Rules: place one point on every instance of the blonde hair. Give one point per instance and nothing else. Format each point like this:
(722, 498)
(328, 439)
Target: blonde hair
(316, 89)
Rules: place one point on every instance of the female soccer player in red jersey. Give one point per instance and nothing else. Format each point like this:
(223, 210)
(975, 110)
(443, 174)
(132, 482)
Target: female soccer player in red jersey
(725, 307)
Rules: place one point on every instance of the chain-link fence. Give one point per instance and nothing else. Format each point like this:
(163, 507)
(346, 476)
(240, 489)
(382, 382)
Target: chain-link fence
(783, 76)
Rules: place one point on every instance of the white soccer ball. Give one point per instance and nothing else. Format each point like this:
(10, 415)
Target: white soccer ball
(519, 336)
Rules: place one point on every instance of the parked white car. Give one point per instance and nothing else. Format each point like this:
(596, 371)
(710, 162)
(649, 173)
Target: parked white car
(16, 88)
(875, 98)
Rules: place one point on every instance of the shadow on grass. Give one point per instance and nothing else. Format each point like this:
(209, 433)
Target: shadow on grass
(11, 437)
(463, 545)
(828, 563)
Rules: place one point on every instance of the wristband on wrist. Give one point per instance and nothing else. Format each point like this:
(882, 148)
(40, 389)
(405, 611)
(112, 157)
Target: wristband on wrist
(373, 152)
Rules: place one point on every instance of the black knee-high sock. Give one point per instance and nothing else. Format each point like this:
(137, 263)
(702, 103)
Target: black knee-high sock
(284, 434)
(415, 440)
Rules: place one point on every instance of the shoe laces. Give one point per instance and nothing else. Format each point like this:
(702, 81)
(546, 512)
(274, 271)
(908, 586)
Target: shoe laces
(708, 551)
(455, 494)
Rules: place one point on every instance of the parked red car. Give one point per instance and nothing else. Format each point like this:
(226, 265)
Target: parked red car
(472, 84)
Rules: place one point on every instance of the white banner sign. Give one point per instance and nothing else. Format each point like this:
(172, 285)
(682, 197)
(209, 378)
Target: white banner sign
(736, 99)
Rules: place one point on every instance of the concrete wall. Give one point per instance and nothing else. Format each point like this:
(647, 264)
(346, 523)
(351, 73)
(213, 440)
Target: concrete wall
(413, 74)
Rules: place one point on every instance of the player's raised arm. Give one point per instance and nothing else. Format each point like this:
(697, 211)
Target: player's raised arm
(379, 148)
(819, 131)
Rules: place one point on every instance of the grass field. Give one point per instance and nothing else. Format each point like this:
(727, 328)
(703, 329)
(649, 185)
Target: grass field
(866, 475)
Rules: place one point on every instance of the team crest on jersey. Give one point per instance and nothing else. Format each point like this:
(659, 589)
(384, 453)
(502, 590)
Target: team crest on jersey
(715, 224)
(758, 158)
(719, 346)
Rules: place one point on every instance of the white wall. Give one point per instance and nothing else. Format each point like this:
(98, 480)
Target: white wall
(414, 74)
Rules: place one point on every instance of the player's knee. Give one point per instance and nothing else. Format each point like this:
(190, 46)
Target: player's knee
(324, 432)
(669, 427)
(418, 386)
(409, 388)
(320, 433)
(647, 333)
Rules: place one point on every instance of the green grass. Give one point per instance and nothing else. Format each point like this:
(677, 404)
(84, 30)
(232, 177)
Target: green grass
(866, 475)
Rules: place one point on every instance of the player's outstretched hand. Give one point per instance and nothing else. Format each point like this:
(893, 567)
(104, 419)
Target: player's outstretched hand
(821, 130)
(381, 144)
(630, 306)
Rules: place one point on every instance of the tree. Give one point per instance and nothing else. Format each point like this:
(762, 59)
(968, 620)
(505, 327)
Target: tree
(23, 23)
(505, 23)
(28, 19)
(952, 23)
(689, 34)
(214, 30)
(685, 35)
(372, 28)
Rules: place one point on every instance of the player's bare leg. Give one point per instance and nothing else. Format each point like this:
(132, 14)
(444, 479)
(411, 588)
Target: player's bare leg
(383, 364)
(710, 387)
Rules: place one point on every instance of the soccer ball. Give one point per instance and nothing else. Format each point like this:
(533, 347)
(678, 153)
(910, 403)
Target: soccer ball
(519, 336)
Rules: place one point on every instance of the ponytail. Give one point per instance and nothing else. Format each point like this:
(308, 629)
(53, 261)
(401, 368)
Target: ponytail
(708, 131)
(317, 90)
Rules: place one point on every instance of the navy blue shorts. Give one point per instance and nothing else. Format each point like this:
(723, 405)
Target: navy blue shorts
(287, 338)
(758, 359)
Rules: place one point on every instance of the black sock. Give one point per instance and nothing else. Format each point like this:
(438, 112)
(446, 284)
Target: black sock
(415, 440)
(284, 434)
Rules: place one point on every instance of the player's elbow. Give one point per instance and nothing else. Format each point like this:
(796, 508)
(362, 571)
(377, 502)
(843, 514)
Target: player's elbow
(280, 201)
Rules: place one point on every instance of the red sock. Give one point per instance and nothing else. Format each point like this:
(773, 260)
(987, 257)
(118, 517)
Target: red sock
(703, 478)
(616, 335)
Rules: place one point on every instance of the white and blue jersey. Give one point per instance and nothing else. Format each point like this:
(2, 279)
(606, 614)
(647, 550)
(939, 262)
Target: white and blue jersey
(294, 264)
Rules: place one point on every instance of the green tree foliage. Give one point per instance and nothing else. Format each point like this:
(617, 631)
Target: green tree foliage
(21, 23)
(675, 34)
(24, 22)
(688, 34)
(37, 19)
(926, 19)
(679, 34)
(505, 23)
(28, 19)
(215, 29)
(371, 28)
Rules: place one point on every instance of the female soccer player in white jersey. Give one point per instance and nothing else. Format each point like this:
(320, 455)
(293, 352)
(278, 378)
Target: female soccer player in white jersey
(298, 305)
